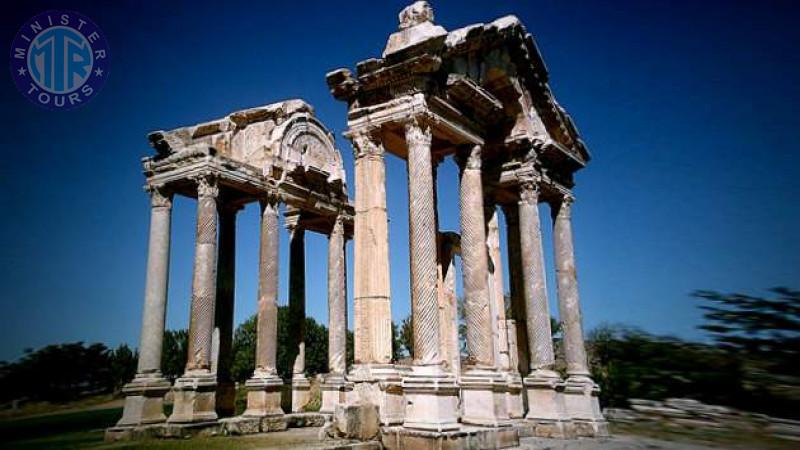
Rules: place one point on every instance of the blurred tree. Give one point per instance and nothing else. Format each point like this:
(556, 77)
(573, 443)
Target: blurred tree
(175, 349)
(123, 366)
(244, 349)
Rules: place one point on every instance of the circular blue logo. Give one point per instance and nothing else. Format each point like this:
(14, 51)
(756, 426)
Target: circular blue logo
(59, 59)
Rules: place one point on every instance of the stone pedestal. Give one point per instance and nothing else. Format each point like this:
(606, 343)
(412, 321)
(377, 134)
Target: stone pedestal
(334, 392)
(483, 398)
(583, 407)
(195, 398)
(300, 388)
(514, 396)
(379, 384)
(264, 396)
(144, 401)
(546, 410)
(431, 400)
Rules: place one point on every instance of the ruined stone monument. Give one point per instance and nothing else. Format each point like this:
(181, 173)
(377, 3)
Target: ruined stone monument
(479, 94)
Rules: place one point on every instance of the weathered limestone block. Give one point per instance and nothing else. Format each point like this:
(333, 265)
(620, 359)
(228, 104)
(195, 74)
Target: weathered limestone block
(357, 421)
(237, 426)
(416, 27)
(381, 386)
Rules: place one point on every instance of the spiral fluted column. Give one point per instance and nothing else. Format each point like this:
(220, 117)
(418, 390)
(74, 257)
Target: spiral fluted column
(422, 240)
(480, 343)
(337, 300)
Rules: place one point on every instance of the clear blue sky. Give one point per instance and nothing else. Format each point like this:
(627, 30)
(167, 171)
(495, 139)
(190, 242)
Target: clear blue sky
(690, 110)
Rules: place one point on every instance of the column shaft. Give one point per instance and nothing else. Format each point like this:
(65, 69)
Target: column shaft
(155, 294)
(372, 310)
(480, 342)
(540, 340)
(337, 300)
(204, 281)
(267, 340)
(568, 299)
(226, 276)
(517, 286)
(297, 299)
(422, 240)
(496, 289)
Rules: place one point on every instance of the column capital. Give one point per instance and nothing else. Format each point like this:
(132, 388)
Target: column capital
(271, 198)
(207, 185)
(366, 143)
(562, 208)
(418, 131)
(338, 226)
(529, 191)
(469, 157)
(160, 197)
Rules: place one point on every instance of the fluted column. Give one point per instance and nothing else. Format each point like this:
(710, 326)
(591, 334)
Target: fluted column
(496, 288)
(480, 343)
(580, 393)
(204, 282)
(264, 388)
(543, 385)
(482, 394)
(372, 309)
(195, 397)
(430, 393)
(517, 287)
(537, 309)
(268, 257)
(422, 241)
(156, 281)
(337, 300)
(568, 299)
(144, 395)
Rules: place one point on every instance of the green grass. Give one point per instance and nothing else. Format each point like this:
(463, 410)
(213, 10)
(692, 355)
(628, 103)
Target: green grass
(78, 426)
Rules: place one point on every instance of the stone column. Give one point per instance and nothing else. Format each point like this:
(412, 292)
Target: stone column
(431, 393)
(377, 381)
(496, 287)
(543, 386)
(144, 396)
(482, 398)
(516, 286)
(223, 330)
(372, 315)
(297, 316)
(581, 392)
(449, 247)
(333, 390)
(195, 396)
(264, 388)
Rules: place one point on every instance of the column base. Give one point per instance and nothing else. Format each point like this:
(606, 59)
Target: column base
(381, 385)
(431, 399)
(300, 389)
(195, 398)
(483, 398)
(226, 398)
(546, 409)
(144, 400)
(583, 406)
(514, 397)
(334, 392)
(264, 396)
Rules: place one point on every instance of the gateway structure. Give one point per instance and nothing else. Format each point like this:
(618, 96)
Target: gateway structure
(479, 94)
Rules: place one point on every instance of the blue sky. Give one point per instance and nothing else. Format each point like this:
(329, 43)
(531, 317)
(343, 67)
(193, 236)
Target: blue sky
(688, 108)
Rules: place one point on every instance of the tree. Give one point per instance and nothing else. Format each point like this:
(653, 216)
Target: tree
(243, 362)
(123, 366)
(175, 350)
(398, 349)
(406, 336)
(758, 328)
